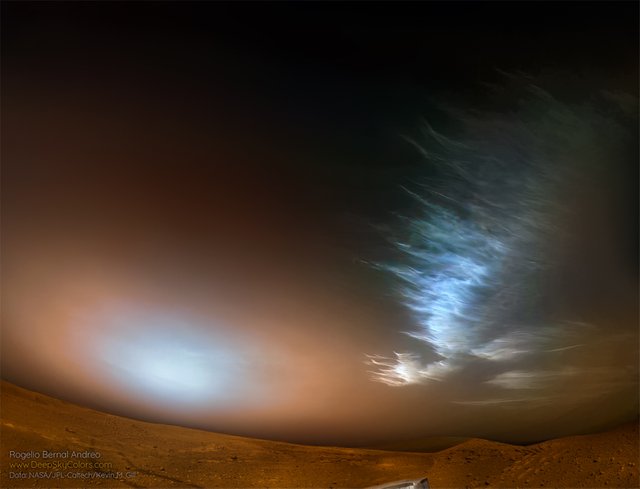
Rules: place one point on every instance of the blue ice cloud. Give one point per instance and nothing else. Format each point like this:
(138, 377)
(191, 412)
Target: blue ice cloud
(473, 264)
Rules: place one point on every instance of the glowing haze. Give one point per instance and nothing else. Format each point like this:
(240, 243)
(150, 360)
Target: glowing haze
(285, 240)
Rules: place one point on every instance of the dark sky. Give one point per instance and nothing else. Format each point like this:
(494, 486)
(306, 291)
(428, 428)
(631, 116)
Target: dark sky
(230, 215)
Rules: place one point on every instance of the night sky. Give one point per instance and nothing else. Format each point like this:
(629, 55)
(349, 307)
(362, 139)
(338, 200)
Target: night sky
(343, 223)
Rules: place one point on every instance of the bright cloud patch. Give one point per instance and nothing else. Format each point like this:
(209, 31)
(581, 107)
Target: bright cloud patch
(476, 263)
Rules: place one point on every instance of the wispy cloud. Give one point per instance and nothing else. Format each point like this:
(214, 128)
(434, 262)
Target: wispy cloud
(476, 265)
(508, 401)
(406, 368)
(531, 379)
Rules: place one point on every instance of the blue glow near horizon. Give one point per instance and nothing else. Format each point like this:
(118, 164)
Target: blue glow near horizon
(175, 361)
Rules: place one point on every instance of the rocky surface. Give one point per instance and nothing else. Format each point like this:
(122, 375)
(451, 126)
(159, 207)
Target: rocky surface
(138, 454)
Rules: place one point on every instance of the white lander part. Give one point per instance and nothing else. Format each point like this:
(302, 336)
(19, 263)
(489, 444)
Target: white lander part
(404, 484)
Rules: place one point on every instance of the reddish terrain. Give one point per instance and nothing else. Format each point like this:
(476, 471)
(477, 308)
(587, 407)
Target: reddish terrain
(152, 455)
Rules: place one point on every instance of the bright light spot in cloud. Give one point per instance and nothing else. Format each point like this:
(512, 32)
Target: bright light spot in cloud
(406, 368)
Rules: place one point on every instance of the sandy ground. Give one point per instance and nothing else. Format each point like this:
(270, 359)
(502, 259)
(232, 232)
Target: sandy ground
(138, 454)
